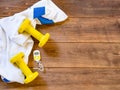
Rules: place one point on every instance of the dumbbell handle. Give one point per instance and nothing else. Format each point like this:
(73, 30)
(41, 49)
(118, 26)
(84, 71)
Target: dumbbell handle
(33, 32)
(18, 60)
(23, 66)
(27, 27)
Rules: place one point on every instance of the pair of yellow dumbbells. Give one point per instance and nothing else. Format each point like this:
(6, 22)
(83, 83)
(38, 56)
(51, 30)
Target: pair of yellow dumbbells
(18, 59)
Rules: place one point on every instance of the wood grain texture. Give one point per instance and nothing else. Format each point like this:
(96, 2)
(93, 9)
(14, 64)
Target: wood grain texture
(81, 8)
(84, 30)
(72, 79)
(79, 55)
(83, 52)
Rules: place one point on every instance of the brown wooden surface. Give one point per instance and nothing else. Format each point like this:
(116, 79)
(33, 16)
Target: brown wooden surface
(83, 52)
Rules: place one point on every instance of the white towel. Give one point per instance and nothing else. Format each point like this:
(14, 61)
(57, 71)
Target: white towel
(11, 42)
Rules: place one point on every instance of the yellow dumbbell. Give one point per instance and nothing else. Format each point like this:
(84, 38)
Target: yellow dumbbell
(27, 27)
(18, 60)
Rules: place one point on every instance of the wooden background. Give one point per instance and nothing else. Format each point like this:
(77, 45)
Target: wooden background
(83, 52)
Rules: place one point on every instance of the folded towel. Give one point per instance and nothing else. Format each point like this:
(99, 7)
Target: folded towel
(11, 42)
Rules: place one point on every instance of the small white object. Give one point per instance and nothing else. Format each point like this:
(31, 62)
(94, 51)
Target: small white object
(37, 58)
(36, 55)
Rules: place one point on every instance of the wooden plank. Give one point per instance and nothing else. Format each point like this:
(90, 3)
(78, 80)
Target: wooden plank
(71, 79)
(84, 30)
(81, 8)
(79, 55)
(9, 8)
(90, 8)
(69, 87)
